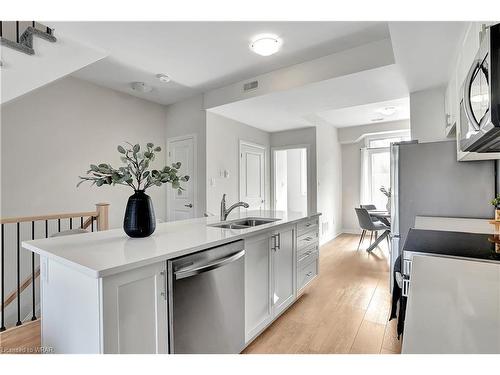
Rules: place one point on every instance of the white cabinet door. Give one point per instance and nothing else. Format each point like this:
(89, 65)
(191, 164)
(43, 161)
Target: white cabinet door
(252, 175)
(258, 284)
(284, 269)
(135, 311)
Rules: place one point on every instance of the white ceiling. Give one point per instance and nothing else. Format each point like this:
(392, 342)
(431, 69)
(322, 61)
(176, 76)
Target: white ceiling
(200, 56)
(367, 113)
(425, 51)
(295, 108)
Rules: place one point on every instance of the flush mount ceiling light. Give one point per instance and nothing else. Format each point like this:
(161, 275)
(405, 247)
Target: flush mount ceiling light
(266, 44)
(141, 87)
(163, 78)
(387, 111)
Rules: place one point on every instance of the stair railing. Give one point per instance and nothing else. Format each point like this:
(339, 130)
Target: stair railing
(89, 220)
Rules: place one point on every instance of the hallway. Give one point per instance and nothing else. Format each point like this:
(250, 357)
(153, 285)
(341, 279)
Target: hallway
(344, 311)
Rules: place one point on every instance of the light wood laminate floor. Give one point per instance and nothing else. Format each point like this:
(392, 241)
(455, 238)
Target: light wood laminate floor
(345, 310)
(24, 339)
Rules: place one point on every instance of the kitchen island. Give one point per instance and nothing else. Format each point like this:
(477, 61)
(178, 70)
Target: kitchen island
(104, 292)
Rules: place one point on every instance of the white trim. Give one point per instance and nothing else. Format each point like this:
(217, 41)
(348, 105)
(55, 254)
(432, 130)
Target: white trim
(307, 146)
(256, 145)
(194, 178)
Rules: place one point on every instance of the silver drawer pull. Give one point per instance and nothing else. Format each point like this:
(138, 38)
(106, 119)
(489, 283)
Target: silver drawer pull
(309, 273)
(308, 239)
(308, 224)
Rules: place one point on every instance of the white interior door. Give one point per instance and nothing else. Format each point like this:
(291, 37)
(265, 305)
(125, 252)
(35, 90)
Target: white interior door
(252, 175)
(181, 205)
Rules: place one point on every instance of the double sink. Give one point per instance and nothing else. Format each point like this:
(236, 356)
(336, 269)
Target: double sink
(246, 223)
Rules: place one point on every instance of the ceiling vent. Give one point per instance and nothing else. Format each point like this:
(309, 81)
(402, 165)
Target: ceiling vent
(249, 86)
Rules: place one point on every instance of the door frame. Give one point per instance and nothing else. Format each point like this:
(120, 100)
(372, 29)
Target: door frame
(195, 171)
(307, 146)
(256, 145)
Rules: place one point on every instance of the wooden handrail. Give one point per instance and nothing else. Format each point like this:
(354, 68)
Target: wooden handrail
(100, 215)
(26, 283)
(23, 219)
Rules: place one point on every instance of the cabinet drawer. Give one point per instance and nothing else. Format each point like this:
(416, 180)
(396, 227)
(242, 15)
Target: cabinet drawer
(306, 273)
(307, 252)
(308, 226)
(307, 239)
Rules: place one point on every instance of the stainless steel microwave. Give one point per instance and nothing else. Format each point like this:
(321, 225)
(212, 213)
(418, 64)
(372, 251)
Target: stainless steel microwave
(480, 104)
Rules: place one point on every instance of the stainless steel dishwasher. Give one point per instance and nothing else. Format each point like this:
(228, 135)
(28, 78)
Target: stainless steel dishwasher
(206, 301)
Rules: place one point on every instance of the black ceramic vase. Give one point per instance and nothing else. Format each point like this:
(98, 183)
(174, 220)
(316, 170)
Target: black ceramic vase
(139, 218)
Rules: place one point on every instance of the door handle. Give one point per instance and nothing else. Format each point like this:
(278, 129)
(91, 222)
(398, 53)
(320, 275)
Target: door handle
(190, 205)
(467, 102)
(187, 272)
(164, 293)
(279, 241)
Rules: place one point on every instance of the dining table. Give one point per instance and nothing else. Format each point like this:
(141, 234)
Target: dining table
(384, 217)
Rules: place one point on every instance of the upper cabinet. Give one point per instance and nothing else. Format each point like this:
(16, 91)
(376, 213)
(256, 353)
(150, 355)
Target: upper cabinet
(467, 52)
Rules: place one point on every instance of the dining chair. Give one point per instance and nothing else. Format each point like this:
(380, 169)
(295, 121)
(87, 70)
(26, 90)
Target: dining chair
(367, 224)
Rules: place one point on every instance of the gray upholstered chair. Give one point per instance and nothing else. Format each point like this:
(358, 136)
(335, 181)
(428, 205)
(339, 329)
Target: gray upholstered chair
(367, 224)
(370, 207)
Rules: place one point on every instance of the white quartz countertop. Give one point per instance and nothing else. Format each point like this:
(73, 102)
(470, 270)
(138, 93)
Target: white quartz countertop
(453, 307)
(100, 254)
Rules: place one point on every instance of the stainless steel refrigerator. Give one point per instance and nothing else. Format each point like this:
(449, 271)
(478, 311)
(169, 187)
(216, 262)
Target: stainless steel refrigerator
(427, 180)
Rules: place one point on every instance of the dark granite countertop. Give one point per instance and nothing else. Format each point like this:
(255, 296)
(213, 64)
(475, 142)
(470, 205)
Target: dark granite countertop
(456, 244)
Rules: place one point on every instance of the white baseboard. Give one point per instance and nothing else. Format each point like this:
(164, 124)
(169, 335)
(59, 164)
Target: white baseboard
(335, 235)
(351, 230)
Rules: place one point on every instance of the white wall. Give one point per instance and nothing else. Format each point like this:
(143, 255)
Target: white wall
(297, 202)
(280, 180)
(353, 140)
(329, 187)
(223, 140)
(351, 173)
(354, 134)
(304, 136)
(51, 135)
(189, 117)
(48, 138)
(427, 115)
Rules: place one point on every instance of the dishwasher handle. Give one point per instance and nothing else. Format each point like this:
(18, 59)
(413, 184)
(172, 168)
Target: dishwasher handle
(187, 272)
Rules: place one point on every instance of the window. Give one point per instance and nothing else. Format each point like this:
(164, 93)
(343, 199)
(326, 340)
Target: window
(376, 169)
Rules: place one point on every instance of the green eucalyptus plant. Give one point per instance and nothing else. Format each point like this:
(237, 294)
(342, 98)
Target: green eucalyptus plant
(496, 202)
(135, 172)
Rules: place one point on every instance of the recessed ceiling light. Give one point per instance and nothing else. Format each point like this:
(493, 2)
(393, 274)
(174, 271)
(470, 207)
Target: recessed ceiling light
(266, 44)
(387, 111)
(141, 87)
(163, 78)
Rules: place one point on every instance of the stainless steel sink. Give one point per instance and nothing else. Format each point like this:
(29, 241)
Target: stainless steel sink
(246, 223)
(229, 226)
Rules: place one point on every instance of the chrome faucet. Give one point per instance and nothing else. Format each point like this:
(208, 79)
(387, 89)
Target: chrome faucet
(224, 212)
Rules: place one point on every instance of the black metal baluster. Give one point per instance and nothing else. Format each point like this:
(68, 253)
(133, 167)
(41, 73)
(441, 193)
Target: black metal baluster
(18, 276)
(46, 229)
(91, 223)
(81, 222)
(17, 31)
(2, 326)
(58, 225)
(1, 28)
(33, 272)
(70, 223)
